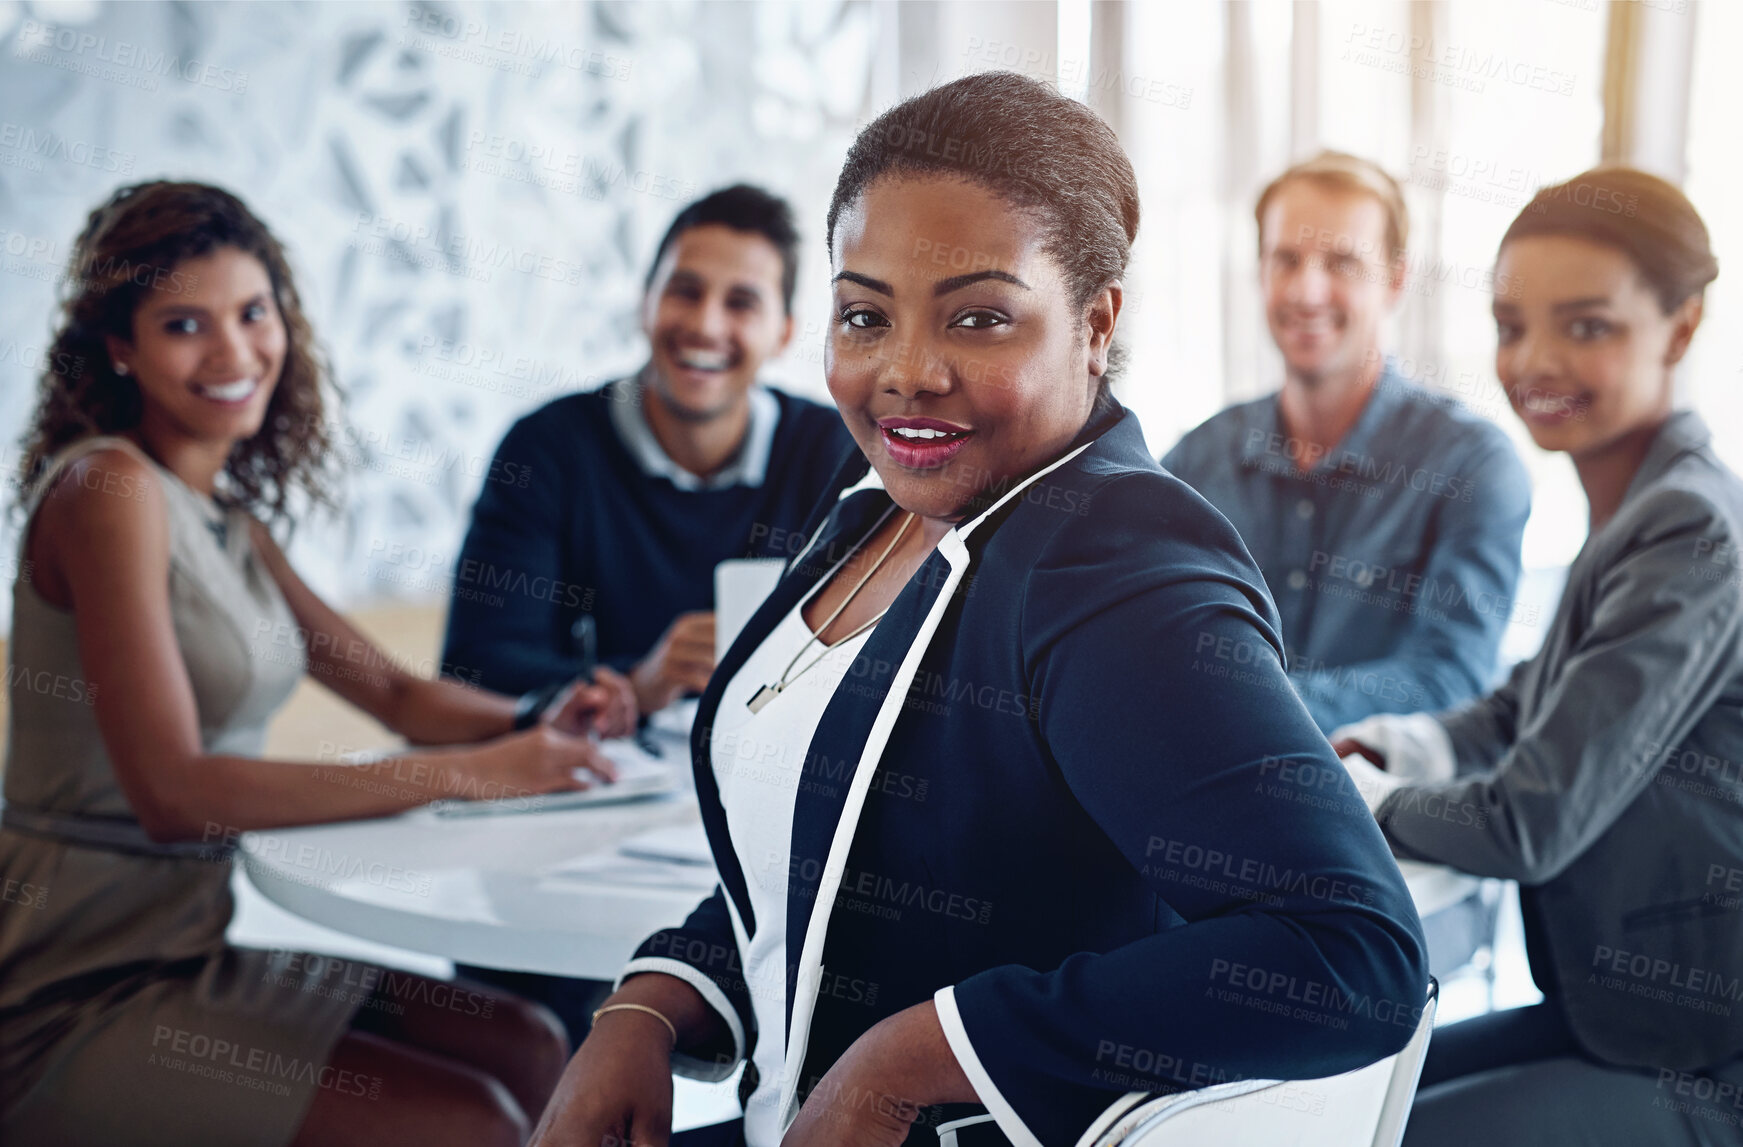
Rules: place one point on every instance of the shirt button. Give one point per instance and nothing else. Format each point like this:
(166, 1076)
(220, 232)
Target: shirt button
(1297, 579)
(1304, 509)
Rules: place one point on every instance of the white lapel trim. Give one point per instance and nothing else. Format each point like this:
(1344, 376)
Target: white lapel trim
(809, 974)
(871, 481)
(969, 527)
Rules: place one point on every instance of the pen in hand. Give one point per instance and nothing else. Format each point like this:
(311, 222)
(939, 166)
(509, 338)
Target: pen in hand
(584, 642)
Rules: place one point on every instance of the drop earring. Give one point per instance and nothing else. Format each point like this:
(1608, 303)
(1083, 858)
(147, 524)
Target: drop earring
(121, 369)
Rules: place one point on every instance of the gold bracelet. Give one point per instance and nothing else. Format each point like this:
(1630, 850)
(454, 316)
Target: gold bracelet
(639, 1008)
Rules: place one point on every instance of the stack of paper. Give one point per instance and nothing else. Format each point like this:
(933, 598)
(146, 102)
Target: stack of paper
(672, 857)
(638, 777)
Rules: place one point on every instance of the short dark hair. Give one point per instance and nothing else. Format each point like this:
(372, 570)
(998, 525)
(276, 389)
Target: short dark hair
(1027, 144)
(741, 207)
(1030, 146)
(1638, 214)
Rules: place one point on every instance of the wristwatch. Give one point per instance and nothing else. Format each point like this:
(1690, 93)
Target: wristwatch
(534, 702)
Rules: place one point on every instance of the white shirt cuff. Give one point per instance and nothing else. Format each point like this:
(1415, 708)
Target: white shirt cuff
(1415, 746)
(706, 1070)
(1374, 785)
(990, 1097)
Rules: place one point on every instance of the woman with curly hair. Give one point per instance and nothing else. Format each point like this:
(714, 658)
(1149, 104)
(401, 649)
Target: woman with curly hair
(157, 626)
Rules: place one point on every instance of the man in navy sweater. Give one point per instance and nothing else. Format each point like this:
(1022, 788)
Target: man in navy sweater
(638, 489)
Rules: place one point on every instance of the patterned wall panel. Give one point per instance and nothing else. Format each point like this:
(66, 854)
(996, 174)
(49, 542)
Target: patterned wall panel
(470, 193)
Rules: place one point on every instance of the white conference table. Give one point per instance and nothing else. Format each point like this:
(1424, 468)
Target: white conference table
(479, 890)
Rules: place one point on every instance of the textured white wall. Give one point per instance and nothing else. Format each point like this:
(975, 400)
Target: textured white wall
(470, 194)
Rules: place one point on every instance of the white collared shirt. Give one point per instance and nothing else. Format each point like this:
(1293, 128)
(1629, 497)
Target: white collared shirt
(759, 764)
(747, 467)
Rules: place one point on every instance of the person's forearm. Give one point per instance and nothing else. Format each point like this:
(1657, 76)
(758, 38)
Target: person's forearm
(702, 1033)
(220, 796)
(914, 1059)
(427, 712)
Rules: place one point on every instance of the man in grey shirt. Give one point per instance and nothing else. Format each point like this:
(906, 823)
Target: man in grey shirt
(1386, 519)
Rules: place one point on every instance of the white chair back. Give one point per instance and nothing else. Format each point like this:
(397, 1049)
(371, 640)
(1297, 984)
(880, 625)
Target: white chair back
(1367, 1107)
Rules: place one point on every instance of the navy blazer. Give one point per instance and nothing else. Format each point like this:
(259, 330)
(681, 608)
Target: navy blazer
(1067, 792)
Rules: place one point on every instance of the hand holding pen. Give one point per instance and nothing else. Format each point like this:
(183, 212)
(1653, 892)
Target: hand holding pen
(600, 701)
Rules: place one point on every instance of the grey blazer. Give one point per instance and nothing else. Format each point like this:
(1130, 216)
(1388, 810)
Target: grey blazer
(1606, 775)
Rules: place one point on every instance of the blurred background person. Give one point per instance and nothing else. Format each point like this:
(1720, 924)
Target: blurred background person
(636, 491)
(1386, 519)
(1566, 778)
(184, 414)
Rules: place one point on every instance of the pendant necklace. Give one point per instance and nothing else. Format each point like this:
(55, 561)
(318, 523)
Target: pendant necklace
(769, 692)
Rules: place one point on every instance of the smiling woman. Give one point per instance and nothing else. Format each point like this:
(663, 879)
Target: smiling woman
(181, 411)
(1574, 762)
(988, 908)
(132, 254)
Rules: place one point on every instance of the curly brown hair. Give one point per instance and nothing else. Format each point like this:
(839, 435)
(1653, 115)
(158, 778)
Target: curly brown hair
(131, 245)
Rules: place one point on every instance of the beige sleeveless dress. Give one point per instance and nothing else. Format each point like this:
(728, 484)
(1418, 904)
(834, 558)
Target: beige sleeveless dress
(124, 1017)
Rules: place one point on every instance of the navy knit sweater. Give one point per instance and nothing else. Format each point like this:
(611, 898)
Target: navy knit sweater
(568, 524)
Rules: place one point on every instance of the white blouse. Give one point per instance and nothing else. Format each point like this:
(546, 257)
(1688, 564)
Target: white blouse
(759, 762)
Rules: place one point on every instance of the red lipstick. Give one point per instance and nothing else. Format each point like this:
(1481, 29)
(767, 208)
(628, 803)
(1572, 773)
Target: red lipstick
(922, 443)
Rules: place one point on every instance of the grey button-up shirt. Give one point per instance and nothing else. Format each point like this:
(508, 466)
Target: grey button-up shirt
(747, 466)
(1393, 557)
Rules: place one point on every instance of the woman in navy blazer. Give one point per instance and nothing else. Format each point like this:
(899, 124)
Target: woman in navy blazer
(1054, 840)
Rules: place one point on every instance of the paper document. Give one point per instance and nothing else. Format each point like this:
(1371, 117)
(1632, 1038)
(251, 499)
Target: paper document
(740, 585)
(639, 776)
(612, 868)
(675, 844)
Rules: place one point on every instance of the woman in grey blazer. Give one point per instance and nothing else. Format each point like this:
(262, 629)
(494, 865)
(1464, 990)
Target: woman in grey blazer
(1606, 775)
